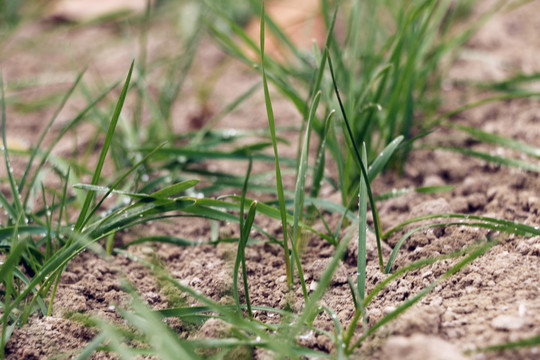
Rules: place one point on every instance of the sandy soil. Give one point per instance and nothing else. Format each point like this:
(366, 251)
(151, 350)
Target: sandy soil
(494, 299)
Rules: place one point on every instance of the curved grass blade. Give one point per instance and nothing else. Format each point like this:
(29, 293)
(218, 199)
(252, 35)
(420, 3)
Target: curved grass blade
(496, 224)
(478, 103)
(122, 178)
(243, 240)
(136, 214)
(484, 225)
(165, 239)
(311, 307)
(475, 253)
(318, 170)
(382, 159)
(400, 242)
(498, 140)
(422, 190)
(202, 154)
(497, 159)
(228, 314)
(240, 253)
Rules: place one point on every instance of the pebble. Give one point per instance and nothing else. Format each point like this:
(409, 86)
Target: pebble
(420, 346)
(387, 310)
(508, 323)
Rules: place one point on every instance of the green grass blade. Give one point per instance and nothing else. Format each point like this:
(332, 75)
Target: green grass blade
(496, 159)
(120, 179)
(517, 344)
(202, 154)
(82, 219)
(382, 159)
(243, 239)
(300, 191)
(199, 135)
(318, 170)
(362, 166)
(94, 345)
(496, 224)
(510, 227)
(478, 103)
(240, 253)
(165, 239)
(272, 128)
(4, 203)
(17, 208)
(475, 253)
(311, 307)
(498, 140)
(228, 314)
(174, 189)
(400, 242)
(422, 190)
(46, 154)
(46, 130)
(362, 233)
(164, 342)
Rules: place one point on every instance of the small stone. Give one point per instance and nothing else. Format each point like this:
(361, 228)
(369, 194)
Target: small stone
(420, 346)
(508, 323)
(387, 310)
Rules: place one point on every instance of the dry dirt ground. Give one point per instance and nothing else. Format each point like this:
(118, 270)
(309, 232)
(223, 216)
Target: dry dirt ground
(495, 299)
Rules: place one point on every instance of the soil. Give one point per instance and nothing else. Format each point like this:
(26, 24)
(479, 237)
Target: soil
(493, 300)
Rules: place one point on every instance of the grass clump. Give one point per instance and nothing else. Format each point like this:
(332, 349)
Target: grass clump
(382, 72)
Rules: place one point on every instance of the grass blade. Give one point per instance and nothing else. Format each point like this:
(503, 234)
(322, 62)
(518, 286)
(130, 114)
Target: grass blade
(17, 208)
(521, 343)
(499, 140)
(496, 159)
(46, 130)
(382, 159)
(300, 190)
(475, 253)
(272, 128)
(82, 219)
(362, 233)
(240, 253)
(46, 154)
(362, 166)
(494, 223)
